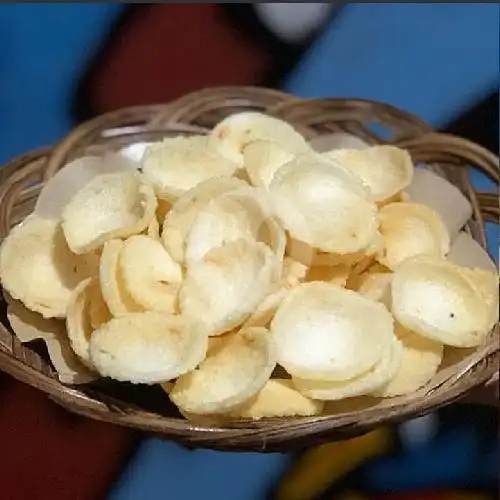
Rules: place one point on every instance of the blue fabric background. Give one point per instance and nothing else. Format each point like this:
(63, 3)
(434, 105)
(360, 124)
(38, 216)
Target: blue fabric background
(43, 52)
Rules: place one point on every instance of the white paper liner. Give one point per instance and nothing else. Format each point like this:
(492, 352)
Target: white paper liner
(29, 326)
(432, 190)
(466, 251)
(59, 190)
(135, 152)
(337, 140)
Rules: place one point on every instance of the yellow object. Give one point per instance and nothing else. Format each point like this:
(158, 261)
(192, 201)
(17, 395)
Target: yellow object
(319, 467)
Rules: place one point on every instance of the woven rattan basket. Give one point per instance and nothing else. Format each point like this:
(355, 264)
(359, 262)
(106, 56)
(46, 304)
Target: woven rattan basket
(147, 408)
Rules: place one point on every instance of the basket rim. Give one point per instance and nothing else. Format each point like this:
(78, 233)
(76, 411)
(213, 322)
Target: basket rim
(208, 437)
(265, 435)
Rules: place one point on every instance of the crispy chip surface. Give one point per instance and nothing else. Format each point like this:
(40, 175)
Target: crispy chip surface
(266, 310)
(109, 206)
(358, 261)
(386, 170)
(361, 385)
(237, 370)
(262, 159)
(150, 276)
(226, 286)
(148, 347)
(278, 398)
(242, 214)
(153, 230)
(178, 164)
(375, 284)
(324, 206)
(184, 211)
(325, 332)
(444, 302)
(61, 188)
(293, 272)
(486, 285)
(38, 268)
(78, 326)
(114, 292)
(421, 360)
(236, 131)
(409, 230)
(98, 311)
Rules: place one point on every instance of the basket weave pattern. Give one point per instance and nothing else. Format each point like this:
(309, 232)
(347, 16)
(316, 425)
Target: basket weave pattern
(22, 179)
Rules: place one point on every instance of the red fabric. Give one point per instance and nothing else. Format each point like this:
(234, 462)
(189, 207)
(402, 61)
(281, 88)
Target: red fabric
(167, 50)
(50, 454)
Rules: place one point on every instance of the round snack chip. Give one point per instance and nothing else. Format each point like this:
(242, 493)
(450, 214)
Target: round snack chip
(278, 398)
(262, 159)
(227, 285)
(240, 214)
(408, 230)
(232, 134)
(178, 164)
(266, 310)
(237, 370)
(180, 218)
(444, 302)
(113, 289)
(325, 332)
(61, 188)
(421, 360)
(98, 311)
(486, 285)
(78, 324)
(109, 206)
(150, 276)
(147, 348)
(386, 170)
(38, 268)
(358, 261)
(323, 205)
(361, 385)
(375, 284)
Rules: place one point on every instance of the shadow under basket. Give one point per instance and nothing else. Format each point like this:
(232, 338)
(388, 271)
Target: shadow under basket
(148, 408)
